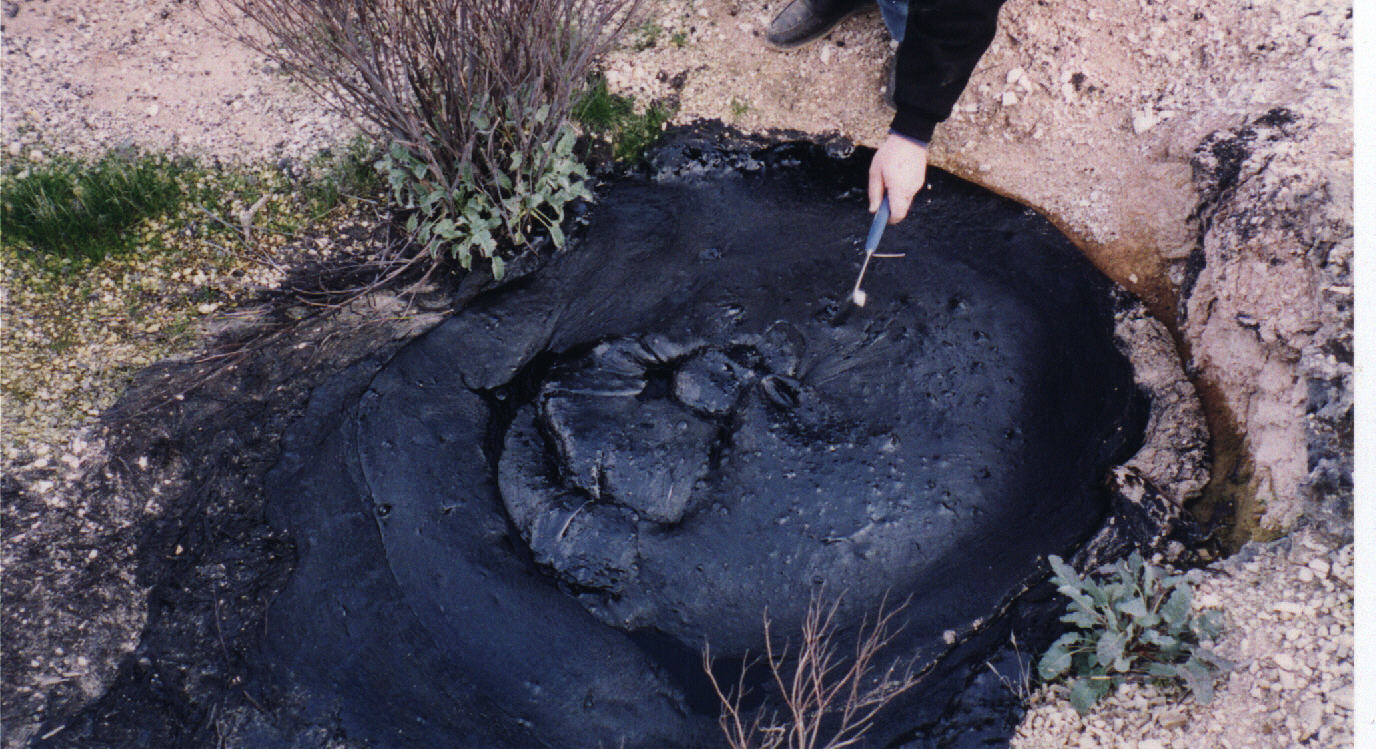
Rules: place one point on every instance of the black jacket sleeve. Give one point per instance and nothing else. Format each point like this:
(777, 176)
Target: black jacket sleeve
(942, 43)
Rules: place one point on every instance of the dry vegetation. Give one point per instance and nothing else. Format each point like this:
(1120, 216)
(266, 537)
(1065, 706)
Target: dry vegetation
(828, 696)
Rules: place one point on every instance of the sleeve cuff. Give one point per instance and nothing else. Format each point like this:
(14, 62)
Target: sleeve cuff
(913, 126)
(918, 141)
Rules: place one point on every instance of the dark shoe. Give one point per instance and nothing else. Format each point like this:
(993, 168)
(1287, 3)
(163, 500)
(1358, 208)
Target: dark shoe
(805, 20)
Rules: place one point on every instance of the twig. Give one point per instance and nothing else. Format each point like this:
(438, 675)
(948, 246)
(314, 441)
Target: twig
(817, 695)
(217, 218)
(246, 217)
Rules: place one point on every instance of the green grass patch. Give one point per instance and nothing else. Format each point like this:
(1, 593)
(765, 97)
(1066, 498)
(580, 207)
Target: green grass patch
(615, 119)
(335, 175)
(74, 211)
(80, 209)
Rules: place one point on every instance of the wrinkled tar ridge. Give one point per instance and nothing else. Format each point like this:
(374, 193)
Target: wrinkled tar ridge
(524, 528)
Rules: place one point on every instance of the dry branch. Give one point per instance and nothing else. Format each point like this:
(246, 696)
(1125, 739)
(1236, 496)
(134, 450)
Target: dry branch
(829, 697)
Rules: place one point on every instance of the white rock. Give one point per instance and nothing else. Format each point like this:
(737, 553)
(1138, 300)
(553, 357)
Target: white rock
(1171, 719)
(1015, 75)
(1310, 718)
(1284, 661)
(1009, 99)
(152, 110)
(1342, 698)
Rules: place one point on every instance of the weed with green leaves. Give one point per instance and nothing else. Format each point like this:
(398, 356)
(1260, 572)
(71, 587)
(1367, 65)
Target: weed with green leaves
(1137, 622)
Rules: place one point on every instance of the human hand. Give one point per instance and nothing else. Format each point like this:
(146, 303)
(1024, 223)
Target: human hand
(898, 169)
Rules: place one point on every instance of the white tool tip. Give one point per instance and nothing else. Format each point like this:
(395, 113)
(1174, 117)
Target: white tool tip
(859, 298)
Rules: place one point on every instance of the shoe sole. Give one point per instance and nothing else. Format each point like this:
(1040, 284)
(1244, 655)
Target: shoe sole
(818, 35)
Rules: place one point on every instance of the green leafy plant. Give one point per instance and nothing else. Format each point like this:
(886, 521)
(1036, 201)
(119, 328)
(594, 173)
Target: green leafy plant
(1137, 622)
(474, 93)
(84, 209)
(647, 35)
(470, 215)
(614, 119)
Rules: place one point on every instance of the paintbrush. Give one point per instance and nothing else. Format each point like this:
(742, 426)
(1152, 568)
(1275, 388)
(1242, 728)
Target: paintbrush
(877, 225)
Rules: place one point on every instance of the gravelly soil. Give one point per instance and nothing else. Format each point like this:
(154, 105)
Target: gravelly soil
(1290, 617)
(162, 74)
(1087, 110)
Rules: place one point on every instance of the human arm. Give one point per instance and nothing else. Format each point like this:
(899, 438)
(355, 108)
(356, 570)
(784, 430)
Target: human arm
(942, 43)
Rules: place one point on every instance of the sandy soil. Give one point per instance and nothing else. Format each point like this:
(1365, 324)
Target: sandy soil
(162, 74)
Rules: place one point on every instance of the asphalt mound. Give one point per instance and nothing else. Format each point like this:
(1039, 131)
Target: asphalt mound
(525, 526)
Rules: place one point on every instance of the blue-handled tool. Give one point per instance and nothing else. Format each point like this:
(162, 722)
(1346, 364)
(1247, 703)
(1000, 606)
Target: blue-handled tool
(881, 220)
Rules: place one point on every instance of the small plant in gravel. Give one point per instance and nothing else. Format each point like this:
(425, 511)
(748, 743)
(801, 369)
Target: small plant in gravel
(647, 36)
(1137, 621)
(77, 208)
(739, 108)
(614, 120)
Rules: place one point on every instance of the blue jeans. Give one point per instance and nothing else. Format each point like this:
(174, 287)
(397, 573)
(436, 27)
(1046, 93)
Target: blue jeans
(895, 13)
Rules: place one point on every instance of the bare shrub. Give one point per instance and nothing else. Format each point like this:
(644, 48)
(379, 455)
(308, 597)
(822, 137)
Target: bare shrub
(829, 696)
(473, 94)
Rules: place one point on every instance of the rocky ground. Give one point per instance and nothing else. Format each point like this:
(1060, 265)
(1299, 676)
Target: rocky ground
(1289, 609)
(1090, 111)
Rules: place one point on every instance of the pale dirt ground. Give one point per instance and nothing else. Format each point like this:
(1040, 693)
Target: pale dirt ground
(1087, 111)
(159, 74)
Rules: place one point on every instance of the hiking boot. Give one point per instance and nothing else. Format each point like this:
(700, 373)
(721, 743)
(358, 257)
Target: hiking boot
(805, 20)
